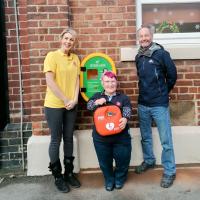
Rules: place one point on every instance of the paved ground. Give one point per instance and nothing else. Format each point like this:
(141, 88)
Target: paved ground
(138, 187)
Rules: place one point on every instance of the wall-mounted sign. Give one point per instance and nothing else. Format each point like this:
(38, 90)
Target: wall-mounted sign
(92, 68)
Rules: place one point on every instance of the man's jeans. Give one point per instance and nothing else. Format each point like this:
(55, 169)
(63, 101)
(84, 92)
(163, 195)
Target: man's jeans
(161, 117)
(121, 153)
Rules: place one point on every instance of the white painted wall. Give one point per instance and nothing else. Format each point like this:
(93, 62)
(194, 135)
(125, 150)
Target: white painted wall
(177, 51)
(38, 158)
(186, 147)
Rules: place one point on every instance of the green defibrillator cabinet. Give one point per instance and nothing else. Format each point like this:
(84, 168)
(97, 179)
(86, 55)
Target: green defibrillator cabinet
(92, 68)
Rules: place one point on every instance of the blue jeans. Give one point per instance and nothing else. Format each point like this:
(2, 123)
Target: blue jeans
(121, 153)
(161, 117)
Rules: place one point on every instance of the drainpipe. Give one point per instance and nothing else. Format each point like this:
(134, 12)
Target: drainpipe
(69, 15)
(20, 83)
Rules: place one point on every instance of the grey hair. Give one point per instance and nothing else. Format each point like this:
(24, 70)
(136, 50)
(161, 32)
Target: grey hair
(69, 30)
(150, 27)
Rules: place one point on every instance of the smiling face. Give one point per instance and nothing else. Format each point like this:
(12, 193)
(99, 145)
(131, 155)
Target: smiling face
(67, 42)
(109, 85)
(145, 37)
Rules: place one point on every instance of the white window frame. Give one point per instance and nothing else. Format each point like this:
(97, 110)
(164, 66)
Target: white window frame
(168, 38)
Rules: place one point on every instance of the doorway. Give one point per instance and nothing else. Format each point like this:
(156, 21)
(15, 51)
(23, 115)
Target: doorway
(4, 107)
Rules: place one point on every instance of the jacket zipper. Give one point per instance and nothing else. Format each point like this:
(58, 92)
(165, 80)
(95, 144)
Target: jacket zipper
(157, 80)
(143, 63)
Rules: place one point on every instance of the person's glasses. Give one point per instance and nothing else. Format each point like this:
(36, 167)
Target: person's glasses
(110, 82)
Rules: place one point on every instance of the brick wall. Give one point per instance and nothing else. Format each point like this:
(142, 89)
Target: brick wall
(46, 20)
(188, 87)
(11, 146)
(13, 67)
(103, 26)
(40, 22)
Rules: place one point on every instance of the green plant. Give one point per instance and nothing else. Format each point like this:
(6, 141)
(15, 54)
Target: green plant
(166, 25)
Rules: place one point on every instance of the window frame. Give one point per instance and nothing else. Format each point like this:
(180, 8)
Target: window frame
(168, 38)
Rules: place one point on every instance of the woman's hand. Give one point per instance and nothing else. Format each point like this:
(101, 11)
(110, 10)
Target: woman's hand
(100, 101)
(70, 104)
(122, 123)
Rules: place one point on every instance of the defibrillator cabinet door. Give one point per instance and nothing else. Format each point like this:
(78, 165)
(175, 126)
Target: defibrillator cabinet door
(92, 68)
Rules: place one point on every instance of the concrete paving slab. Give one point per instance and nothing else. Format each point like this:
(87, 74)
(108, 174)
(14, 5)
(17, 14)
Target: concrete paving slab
(138, 187)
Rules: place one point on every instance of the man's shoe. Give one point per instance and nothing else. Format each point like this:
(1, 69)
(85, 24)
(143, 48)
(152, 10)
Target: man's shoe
(118, 186)
(143, 167)
(109, 187)
(167, 180)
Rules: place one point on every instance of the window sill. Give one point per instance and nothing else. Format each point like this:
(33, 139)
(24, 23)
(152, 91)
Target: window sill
(177, 51)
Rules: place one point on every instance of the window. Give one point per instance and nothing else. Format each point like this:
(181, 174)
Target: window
(174, 21)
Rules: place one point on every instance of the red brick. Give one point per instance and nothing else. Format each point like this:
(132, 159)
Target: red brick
(88, 31)
(185, 97)
(89, 45)
(87, 3)
(184, 83)
(47, 9)
(59, 16)
(193, 89)
(22, 11)
(37, 118)
(57, 2)
(192, 76)
(108, 30)
(127, 84)
(183, 90)
(125, 2)
(116, 9)
(197, 96)
(131, 8)
(37, 2)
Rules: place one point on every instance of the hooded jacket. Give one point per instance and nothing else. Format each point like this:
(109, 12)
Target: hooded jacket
(157, 75)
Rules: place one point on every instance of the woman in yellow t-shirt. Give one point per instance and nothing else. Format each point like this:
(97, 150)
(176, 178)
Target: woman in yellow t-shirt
(62, 69)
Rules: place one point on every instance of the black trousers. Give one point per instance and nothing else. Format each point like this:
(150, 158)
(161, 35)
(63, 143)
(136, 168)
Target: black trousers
(61, 124)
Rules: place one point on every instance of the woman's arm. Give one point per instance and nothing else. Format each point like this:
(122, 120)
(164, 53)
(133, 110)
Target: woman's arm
(50, 76)
(126, 112)
(76, 91)
(70, 105)
(96, 100)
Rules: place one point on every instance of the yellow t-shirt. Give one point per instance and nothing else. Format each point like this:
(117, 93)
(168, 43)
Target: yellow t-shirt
(66, 69)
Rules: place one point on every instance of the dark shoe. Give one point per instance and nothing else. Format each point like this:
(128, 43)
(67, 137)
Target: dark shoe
(109, 187)
(143, 167)
(72, 180)
(56, 170)
(69, 176)
(61, 185)
(118, 186)
(167, 180)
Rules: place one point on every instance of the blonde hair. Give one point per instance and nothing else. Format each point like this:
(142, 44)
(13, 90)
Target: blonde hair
(69, 30)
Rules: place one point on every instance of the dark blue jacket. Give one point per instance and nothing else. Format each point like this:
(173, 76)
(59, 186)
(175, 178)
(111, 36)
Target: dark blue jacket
(157, 76)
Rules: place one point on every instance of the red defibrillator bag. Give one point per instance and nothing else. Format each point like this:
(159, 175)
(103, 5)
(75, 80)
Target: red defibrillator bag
(106, 120)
